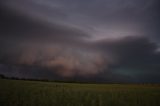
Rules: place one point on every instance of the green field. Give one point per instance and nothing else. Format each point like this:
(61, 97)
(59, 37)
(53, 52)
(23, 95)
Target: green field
(36, 93)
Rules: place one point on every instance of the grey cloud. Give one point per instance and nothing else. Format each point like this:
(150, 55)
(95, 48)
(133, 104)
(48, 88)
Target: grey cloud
(135, 57)
(17, 27)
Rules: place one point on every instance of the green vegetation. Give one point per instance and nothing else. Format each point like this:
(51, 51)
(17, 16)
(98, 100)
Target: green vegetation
(36, 93)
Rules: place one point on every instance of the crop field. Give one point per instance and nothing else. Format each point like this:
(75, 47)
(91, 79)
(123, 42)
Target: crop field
(36, 93)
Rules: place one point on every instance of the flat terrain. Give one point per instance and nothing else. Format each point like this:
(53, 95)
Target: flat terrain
(36, 93)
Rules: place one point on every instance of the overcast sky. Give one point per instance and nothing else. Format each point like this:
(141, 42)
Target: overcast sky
(89, 40)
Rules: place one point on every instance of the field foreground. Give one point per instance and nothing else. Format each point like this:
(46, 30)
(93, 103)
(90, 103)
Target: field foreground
(35, 93)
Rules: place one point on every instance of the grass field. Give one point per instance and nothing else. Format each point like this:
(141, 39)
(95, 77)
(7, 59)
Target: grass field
(35, 93)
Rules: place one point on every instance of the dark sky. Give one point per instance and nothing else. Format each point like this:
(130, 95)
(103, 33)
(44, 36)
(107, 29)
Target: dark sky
(88, 40)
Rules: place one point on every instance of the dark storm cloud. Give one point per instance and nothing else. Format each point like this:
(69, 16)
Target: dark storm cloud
(19, 27)
(98, 40)
(105, 18)
(137, 58)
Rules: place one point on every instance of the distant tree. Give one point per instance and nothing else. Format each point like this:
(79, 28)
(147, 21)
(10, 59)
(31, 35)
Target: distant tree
(2, 76)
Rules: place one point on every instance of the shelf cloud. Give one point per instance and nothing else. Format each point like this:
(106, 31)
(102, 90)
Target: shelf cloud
(98, 40)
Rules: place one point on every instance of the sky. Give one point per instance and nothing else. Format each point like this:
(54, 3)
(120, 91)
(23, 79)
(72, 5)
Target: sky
(81, 40)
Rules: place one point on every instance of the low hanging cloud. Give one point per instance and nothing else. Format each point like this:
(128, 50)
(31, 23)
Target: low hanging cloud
(67, 62)
(126, 59)
(135, 57)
